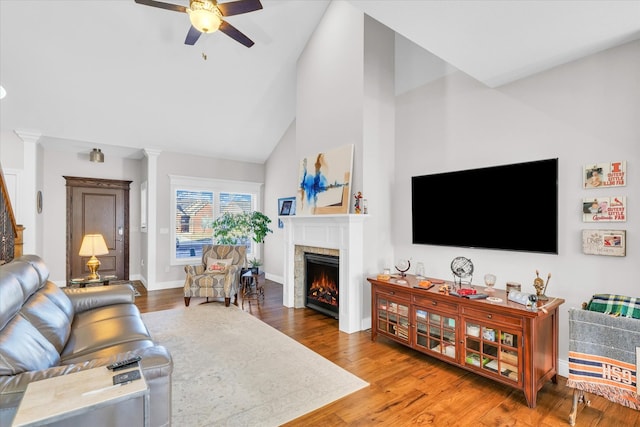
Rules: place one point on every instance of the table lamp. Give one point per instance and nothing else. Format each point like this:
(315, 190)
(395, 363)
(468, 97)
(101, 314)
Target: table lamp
(92, 245)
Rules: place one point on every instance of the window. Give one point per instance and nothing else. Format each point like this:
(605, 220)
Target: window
(197, 202)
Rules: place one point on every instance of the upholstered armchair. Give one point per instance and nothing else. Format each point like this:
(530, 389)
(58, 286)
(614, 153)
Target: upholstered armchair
(218, 276)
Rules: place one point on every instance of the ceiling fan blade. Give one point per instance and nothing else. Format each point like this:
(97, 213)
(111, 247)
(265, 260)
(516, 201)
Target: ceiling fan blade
(192, 36)
(162, 5)
(238, 7)
(235, 34)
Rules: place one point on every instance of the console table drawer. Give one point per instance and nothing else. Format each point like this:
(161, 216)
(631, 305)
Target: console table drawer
(432, 303)
(493, 317)
(382, 291)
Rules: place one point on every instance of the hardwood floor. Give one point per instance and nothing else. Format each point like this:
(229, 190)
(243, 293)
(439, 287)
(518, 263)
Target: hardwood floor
(408, 387)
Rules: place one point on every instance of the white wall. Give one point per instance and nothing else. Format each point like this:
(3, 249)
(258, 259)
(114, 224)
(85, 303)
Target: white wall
(56, 165)
(583, 112)
(168, 275)
(281, 176)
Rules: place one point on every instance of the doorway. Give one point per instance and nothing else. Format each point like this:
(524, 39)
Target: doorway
(98, 206)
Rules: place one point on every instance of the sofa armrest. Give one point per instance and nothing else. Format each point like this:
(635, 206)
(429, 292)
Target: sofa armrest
(84, 299)
(156, 364)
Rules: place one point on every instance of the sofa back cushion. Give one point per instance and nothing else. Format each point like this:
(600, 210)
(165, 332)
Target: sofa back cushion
(53, 321)
(23, 348)
(26, 296)
(25, 275)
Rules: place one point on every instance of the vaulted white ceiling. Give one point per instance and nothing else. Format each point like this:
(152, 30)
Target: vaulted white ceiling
(116, 75)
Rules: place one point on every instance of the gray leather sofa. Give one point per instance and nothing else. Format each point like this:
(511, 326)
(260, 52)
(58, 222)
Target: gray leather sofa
(47, 331)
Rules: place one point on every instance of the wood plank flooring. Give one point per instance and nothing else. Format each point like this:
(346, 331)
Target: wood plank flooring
(407, 387)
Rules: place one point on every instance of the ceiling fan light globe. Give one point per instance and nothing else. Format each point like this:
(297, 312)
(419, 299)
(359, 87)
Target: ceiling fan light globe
(204, 16)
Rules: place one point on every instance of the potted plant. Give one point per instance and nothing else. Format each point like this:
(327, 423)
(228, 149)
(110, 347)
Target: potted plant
(255, 265)
(234, 228)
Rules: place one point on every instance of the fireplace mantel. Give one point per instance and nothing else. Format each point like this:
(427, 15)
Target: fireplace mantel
(343, 233)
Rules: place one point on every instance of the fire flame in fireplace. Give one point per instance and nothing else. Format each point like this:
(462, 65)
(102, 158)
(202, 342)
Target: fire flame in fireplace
(324, 289)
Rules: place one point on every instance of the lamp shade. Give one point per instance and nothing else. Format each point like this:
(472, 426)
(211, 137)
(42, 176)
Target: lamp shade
(93, 244)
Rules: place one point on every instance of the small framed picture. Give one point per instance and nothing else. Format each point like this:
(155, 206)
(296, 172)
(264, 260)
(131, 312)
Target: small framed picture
(604, 242)
(597, 175)
(507, 339)
(287, 206)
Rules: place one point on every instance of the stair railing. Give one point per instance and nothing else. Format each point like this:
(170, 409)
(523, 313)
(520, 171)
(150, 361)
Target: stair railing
(10, 232)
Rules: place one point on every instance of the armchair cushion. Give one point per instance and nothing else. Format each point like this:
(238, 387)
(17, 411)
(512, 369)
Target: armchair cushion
(218, 265)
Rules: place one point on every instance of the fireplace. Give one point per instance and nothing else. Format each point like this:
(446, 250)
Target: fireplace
(322, 273)
(335, 235)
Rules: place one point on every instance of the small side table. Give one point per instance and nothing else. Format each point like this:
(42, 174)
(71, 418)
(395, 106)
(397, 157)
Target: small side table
(251, 289)
(59, 398)
(83, 282)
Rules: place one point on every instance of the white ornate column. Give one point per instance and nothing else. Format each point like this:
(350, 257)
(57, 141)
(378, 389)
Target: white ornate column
(152, 208)
(29, 187)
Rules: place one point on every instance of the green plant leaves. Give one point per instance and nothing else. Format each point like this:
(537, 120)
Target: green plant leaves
(232, 228)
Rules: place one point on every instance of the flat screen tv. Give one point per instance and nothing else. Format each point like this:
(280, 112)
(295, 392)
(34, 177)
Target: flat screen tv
(509, 207)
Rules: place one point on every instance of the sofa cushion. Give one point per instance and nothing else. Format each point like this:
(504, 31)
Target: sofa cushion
(102, 328)
(38, 265)
(53, 323)
(26, 276)
(23, 348)
(11, 297)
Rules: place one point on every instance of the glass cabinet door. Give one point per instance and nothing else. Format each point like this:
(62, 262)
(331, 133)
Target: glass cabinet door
(492, 350)
(435, 332)
(393, 318)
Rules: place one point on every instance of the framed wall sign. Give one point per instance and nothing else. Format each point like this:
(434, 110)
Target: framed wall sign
(604, 209)
(598, 175)
(604, 242)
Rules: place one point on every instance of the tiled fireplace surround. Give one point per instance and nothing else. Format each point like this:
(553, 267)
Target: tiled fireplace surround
(340, 235)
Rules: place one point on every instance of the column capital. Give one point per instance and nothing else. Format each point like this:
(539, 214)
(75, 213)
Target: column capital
(27, 135)
(150, 152)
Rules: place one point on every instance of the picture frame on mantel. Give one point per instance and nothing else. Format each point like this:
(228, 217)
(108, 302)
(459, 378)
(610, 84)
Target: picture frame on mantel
(286, 207)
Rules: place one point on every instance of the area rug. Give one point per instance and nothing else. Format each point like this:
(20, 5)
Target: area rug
(232, 369)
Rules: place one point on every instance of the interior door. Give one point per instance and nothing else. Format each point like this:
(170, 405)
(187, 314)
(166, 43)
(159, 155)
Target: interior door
(98, 206)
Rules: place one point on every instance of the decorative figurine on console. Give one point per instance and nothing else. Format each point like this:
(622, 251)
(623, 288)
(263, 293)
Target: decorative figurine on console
(358, 197)
(540, 286)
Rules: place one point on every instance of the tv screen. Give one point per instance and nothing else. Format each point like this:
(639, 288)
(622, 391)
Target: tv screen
(510, 207)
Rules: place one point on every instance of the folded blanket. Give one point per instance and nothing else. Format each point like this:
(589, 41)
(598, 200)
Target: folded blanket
(615, 305)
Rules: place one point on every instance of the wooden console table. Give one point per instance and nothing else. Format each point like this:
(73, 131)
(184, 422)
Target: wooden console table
(504, 341)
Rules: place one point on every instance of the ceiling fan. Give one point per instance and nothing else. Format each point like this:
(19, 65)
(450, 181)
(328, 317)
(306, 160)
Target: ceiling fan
(206, 17)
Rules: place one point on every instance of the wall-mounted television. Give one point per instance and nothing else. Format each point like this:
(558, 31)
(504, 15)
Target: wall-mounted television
(508, 207)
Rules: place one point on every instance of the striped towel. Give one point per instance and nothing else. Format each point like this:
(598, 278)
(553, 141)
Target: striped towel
(604, 376)
(603, 356)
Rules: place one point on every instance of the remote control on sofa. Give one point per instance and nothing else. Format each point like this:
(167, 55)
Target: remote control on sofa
(124, 364)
